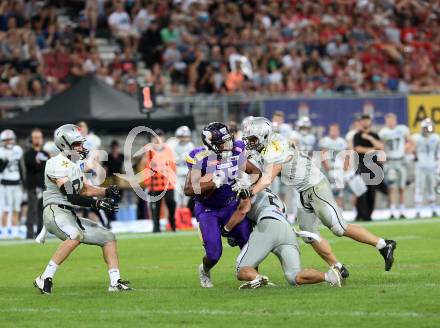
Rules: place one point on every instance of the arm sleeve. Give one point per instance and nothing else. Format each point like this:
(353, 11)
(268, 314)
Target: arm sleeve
(76, 199)
(3, 164)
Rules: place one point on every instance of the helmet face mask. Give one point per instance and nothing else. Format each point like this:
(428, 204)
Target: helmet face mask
(256, 133)
(69, 140)
(253, 143)
(216, 137)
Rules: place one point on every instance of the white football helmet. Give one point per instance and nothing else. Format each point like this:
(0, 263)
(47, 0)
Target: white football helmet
(427, 125)
(304, 123)
(256, 133)
(66, 136)
(183, 131)
(7, 135)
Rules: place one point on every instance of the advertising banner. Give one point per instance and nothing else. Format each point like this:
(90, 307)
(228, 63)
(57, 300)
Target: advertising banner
(421, 107)
(342, 110)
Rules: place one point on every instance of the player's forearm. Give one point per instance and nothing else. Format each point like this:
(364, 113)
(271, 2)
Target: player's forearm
(92, 191)
(377, 144)
(363, 150)
(253, 171)
(239, 214)
(267, 178)
(198, 188)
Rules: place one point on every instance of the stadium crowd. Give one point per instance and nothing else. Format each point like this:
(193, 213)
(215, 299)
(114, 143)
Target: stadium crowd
(189, 46)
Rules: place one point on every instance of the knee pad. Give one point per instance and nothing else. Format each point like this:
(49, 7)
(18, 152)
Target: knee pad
(291, 277)
(337, 230)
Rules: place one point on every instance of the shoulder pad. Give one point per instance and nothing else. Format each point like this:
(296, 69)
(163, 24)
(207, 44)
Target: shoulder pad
(202, 154)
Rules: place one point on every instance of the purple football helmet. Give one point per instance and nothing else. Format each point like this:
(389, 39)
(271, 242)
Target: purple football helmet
(216, 137)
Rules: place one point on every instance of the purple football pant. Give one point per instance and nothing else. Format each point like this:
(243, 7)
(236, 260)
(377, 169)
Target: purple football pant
(210, 223)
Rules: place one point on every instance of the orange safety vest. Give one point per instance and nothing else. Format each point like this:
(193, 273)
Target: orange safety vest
(161, 169)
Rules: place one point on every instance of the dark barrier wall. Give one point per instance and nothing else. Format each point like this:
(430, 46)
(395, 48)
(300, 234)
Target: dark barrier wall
(324, 111)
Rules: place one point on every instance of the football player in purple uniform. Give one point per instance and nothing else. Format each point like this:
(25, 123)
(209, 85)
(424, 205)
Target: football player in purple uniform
(212, 171)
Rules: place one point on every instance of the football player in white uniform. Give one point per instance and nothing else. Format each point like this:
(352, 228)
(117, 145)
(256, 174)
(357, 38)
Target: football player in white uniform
(397, 142)
(11, 183)
(426, 150)
(332, 147)
(181, 149)
(297, 170)
(273, 233)
(66, 188)
(303, 138)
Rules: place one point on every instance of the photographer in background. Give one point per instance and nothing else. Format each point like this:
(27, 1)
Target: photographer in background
(35, 162)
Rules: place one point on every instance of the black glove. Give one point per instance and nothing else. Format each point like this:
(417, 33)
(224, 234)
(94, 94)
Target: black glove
(231, 241)
(113, 193)
(244, 193)
(106, 204)
(225, 233)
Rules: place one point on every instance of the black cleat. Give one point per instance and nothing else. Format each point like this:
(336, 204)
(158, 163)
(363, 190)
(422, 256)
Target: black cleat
(402, 216)
(388, 253)
(344, 272)
(44, 285)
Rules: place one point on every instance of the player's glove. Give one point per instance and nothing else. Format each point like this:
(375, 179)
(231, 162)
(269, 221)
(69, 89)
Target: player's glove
(244, 193)
(113, 192)
(218, 178)
(106, 204)
(225, 233)
(241, 181)
(231, 241)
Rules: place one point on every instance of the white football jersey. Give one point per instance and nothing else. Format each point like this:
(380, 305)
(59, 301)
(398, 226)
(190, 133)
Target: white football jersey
(335, 146)
(427, 149)
(180, 152)
(13, 155)
(61, 167)
(267, 204)
(304, 142)
(298, 170)
(394, 140)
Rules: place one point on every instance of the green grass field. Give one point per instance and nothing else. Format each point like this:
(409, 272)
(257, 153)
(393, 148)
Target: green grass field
(163, 269)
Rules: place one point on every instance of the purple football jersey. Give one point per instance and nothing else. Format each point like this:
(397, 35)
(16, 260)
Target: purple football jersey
(208, 162)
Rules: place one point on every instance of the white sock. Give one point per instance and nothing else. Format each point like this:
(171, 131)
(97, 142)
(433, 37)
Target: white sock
(50, 270)
(381, 243)
(114, 276)
(338, 265)
(326, 277)
(402, 207)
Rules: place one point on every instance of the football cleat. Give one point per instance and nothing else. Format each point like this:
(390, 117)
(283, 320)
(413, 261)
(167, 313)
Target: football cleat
(258, 282)
(121, 286)
(388, 253)
(205, 277)
(44, 285)
(334, 276)
(344, 272)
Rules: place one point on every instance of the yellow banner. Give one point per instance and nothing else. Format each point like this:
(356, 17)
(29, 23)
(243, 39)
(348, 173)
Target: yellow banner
(421, 107)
